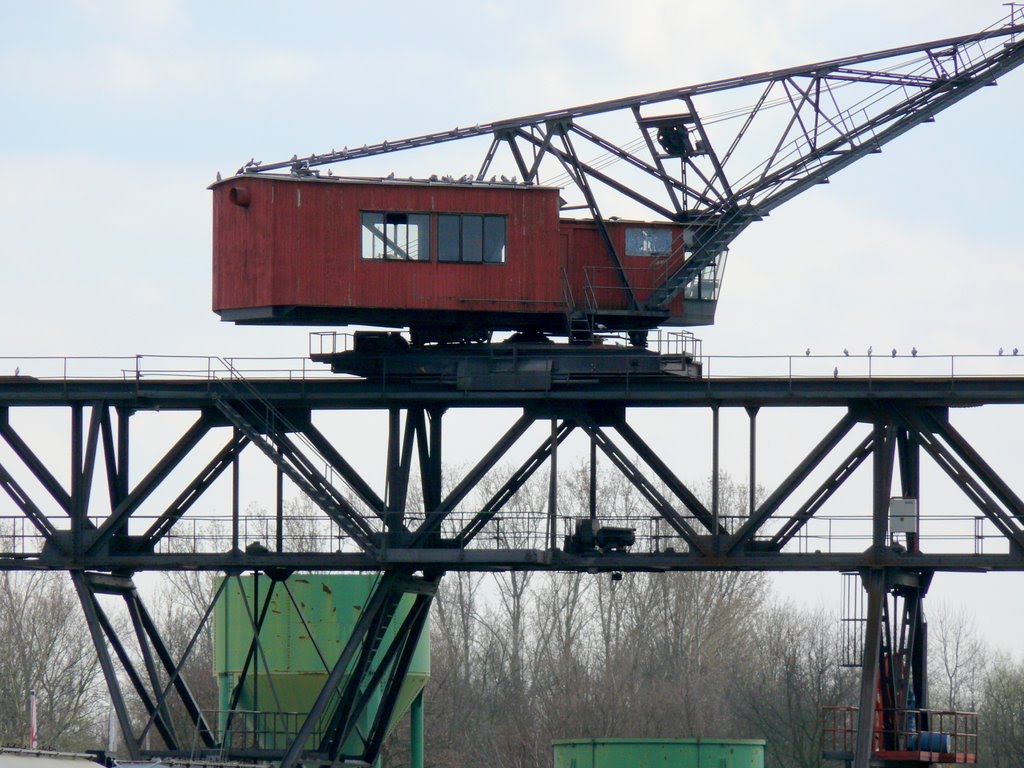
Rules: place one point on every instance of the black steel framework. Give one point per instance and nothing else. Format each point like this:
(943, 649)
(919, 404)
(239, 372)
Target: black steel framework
(890, 422)
(693, 159)
(720, 155)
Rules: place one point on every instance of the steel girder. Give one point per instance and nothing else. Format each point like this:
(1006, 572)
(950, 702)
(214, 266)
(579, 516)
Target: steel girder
(375, 529)
(379, 531)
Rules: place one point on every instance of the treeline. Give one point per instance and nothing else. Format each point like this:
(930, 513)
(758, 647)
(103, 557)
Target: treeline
(522, 658)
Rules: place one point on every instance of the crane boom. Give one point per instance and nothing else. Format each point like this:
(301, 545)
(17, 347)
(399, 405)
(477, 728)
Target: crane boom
(691, 158)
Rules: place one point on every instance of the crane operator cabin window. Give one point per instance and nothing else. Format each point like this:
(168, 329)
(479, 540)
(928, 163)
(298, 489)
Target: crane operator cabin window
(396, 236)
(648, 241)
(471, 238)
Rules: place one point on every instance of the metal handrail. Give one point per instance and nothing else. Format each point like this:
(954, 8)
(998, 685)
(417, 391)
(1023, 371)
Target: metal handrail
(946, 367)
(828, 534)
(957, 731)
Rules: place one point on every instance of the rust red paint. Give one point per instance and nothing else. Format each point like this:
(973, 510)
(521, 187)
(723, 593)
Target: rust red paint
(282, 242)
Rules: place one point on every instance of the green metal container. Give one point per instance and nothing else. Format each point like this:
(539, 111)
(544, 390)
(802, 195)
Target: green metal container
(659, 753)
(283, 687)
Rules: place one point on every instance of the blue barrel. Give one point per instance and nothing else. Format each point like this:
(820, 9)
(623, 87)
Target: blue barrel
(929, 741)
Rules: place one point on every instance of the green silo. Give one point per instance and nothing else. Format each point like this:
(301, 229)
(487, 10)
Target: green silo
(282, 688)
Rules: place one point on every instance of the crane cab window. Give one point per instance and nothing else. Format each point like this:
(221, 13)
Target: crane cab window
(471, 238)
(648, 241)
(396, 236)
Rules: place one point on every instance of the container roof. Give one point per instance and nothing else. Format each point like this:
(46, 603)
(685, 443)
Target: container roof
(449, 182)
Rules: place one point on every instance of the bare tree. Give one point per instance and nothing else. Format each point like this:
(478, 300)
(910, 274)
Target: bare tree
(1002, 714)
(957, 658)
(790, 676)
(45, 646)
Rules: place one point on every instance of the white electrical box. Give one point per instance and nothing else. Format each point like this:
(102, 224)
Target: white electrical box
(902, 515)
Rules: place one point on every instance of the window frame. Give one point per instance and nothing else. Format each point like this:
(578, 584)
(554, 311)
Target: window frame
(461, 242)
(643, 233)
(493, 228)
(382, 241)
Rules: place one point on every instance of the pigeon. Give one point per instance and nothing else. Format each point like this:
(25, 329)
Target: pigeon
(391, 175)
(870, 350)
(894, 351)
(913, 351)
(1015, 351)
(846, 352)
(807, 352)
(218, 175)
(1000, 351)
(17, 370)
(835, 372)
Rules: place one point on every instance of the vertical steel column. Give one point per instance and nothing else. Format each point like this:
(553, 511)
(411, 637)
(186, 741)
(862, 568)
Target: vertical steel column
(919, 654)
(593, 478)
(279, 507)
(553, 489)
(256, 638)
(882, 479)
(416, 732)
(752, 475)
(714, 477)
(123, 447)
(435, 416)
(236, 477)
(78, 504)
(874, 583)
(393, 478)
(394, 452)
(910, 477)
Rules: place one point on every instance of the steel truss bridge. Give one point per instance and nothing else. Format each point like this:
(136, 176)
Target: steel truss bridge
(106, 518)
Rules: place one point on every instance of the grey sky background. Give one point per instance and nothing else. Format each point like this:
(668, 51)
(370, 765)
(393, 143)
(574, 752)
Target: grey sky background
(116, 115)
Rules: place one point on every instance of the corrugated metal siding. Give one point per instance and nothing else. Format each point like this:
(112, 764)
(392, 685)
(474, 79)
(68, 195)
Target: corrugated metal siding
(299, 243)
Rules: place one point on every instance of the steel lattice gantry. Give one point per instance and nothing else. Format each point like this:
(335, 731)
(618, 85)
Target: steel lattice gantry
(888, 426)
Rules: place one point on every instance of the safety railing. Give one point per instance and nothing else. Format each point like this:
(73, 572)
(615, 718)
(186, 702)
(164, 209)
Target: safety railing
(326, 343)
(937, 735)
(783, 367)
(315, 532)
(243, 730)
(170, 367)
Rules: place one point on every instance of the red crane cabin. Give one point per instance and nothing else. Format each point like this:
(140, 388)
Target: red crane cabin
(451, 261)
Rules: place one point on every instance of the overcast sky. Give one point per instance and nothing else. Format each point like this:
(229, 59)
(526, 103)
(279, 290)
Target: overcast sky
(117, 115)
